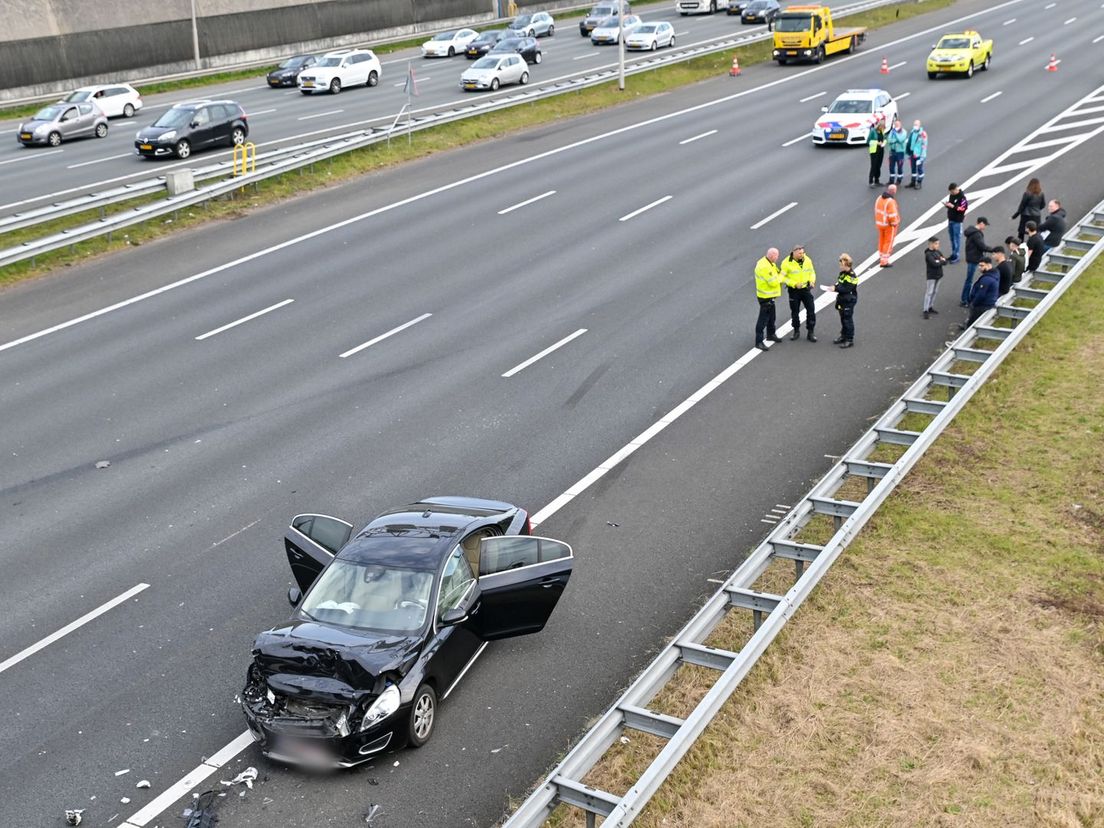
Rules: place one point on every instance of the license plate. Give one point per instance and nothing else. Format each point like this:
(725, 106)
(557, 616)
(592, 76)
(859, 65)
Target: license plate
(26, 136)
(469, 86)
(837, 136)
(790, 53)
(273, 83)
(147, 146)
(308, 84)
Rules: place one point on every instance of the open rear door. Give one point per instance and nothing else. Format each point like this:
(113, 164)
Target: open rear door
(522, 578)
(311, 542)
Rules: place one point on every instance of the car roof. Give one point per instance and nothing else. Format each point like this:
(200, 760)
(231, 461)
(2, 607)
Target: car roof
(862, 93)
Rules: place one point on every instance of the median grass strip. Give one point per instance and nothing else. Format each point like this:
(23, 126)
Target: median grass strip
(426, 142)
(949, 669)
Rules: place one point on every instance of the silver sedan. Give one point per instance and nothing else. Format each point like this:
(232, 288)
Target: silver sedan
(493, 71)
(61, 121)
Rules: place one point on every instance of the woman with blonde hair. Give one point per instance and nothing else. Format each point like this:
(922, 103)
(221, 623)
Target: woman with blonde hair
(847, 296)
(1031, 206)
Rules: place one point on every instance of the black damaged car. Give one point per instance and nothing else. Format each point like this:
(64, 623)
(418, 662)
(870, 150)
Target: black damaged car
(391, 620)
(287, 73)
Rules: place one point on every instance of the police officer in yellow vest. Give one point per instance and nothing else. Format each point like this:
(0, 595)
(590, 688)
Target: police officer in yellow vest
(797, 269)
(768, 287)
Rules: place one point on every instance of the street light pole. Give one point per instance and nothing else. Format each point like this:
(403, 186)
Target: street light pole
(195, 37)
(621, 48)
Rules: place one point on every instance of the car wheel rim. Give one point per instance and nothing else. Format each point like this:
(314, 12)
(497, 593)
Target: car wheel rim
(238, 137)
(183, 150)
(101, 131)
(128, 111)
(55, 139)
(423, 716)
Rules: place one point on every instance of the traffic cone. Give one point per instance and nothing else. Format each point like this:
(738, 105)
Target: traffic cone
(885, 66)
(735, 70)
(1053, 65)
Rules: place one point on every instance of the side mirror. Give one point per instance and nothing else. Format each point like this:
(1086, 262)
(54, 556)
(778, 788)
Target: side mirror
(452, 617)
(824, 109)
(194, 124)
(295, 595)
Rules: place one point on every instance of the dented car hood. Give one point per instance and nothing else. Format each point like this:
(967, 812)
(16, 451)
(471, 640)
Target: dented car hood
(309, 659)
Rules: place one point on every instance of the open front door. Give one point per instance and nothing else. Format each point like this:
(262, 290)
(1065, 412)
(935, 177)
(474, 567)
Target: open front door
(522, 578)
(311, 542)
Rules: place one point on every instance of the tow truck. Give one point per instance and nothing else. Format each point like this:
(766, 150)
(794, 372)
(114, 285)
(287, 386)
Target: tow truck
(806, 33)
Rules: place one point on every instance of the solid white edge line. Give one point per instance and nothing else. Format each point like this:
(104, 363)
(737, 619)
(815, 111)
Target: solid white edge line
(98, 161)
(321, 231)
(244, 319)
(773, 215)
(320, 115)
(793, 141)
(645, 208)
(698, 137)
(811, 97)
(70, 627)
(522, 366)
(30, 157)
(526, 203)
(988, 98)
(384, 336)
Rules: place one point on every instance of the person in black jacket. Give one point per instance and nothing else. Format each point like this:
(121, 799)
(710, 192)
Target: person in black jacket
(1035, 248)
(1016, 256)
(847, 296)
(1031, 206)
(1054, 225)
(1004, 270)
(956, 205)
(975, 249)
(983, 297)
(933, 264)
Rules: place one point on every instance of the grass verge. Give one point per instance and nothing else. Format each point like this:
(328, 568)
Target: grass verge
(949, 670)
(426, 142)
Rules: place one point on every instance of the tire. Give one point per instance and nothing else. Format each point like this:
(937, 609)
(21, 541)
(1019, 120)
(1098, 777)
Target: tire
(101, 130)
(452, 52)
(970, 70)
(985, 66)
(655, 45)
(182, 149)
(237, 136)
(373, 78)
(671, 45)
(854, 46)
(531, 33)
(128, 111)
(933, 75)
(335, 87)
(304, 91)
(494, 84)
(782, 61)
(524, 78)
(819, 55)
(54, 139)
(423, 715)
(551, 30)
(712, 6)
(538, 58)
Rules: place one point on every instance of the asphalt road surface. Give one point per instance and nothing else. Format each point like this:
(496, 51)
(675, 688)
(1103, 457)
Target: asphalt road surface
(216, 439)
(34, 176)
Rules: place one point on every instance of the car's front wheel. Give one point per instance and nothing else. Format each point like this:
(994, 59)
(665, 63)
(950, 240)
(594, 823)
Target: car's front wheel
(551, 30)
(183, 149)
(524, 79)
(655, 45)
(335, 87)
(128, 111)
(101, 130)
(423, 714)
(932, 75)
(452, 51)
(54, 139)
(970, 70)
(494, 84)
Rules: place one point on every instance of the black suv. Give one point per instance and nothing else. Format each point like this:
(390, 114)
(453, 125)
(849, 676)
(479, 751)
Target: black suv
(194, 126)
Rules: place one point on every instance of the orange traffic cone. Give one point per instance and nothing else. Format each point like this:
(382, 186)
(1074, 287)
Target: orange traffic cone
(885, 66)
(1053, 65)
(735, 70)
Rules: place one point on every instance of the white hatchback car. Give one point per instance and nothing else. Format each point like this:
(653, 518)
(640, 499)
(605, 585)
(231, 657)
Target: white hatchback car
(608, 31)
(848, 119)
(115, 100)
(651, 36)
(338, 70)
(493, 71)
(447, 44)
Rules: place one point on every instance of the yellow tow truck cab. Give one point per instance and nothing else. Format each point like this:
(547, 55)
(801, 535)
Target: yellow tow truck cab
(806, 33)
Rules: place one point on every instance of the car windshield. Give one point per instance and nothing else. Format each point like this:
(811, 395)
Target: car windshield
(954, 43)
(445, 36)
(758, 5)
(522, 21)
(793, 23)
(335, 60)
(372, 596)
(175, 118)
(851, 106)
(647, 28)
(486, 63)
(79, 95)
(608, 23)
(49, 113)
(602, 11)
(293, 63)
(509, 44)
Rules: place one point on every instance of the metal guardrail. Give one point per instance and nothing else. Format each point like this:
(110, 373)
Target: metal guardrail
(275, 162)
(1007, 324)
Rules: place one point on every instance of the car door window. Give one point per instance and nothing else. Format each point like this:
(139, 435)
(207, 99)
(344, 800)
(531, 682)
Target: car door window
(202, 117)
(456, 580)
(516, 551)
(329, 533)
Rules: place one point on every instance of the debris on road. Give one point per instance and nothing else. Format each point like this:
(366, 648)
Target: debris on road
(611, 523)
(73, 816)
(246, 777)
(372, 810)
(125, 800)
(124, 770)
(102, 464)
(144, 783)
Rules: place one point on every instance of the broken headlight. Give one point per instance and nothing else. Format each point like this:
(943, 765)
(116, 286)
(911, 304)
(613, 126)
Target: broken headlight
(385, 704)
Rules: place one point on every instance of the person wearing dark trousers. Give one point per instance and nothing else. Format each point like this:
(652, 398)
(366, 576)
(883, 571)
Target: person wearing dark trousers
(1054, 225)
(847, 296)
(917, 148)
(797, 270)
(975, 248)
(875, 144)
(1035, 248)
(1004, 269)
(896, 140)
(1016, 256)
(1032, 203)
(956, 205)
(983, 297)
(933, 266)
(768, 287)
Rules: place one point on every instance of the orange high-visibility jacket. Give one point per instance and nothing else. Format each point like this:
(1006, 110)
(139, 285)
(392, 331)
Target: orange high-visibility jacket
(885, 212)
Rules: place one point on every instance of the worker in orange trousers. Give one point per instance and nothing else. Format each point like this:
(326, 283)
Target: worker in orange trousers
(886, 218)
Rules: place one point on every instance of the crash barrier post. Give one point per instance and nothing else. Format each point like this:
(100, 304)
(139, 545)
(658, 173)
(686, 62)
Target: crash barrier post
(248, 153)
(940, 393)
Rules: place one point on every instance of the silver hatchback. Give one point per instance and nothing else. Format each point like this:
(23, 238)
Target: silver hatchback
(61, 121)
